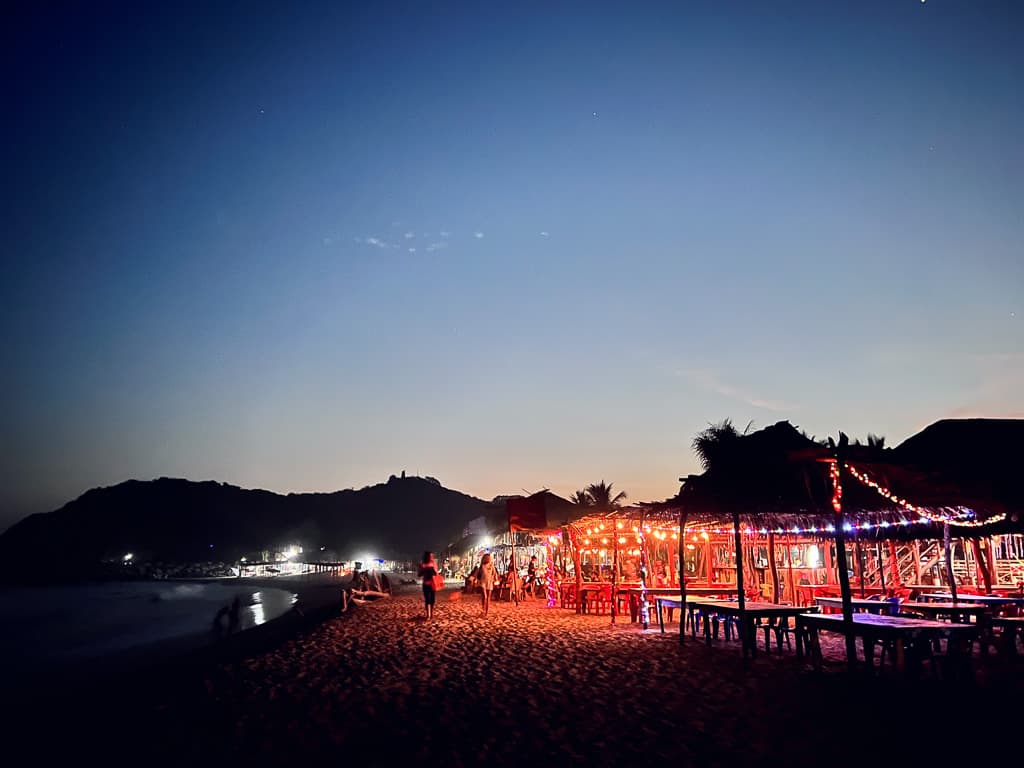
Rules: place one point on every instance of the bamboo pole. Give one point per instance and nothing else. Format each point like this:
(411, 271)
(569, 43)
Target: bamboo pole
(844, 574)
(979, 561)
(682, 577)
(670, 562)
(990, 559)
(739, 579)
(615, 571)
(577, 561)
(880, 565)
(774, 568)
(644, 564)
(949, 560)
(858, 566)
(789, 567)
(513, 572)
(894, 566)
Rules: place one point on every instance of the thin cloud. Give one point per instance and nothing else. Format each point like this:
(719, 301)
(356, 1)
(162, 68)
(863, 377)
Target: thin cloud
(545, 234)
(996, 387)
(709, 381)
(478, 235)
(376, 242)
(412, 250)
(444, 234)
(436, 246)
(409, 235)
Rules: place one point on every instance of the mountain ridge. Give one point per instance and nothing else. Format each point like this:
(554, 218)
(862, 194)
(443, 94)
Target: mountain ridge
(176, 519)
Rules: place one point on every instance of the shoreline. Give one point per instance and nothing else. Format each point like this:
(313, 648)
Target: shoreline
(316, 599)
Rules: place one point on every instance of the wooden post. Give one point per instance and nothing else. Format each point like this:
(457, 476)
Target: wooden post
(682, 577)
(979, 559)
(830, 564)
(949, 560)
(513, 572)
(917, 561)
(894, 566)
(990, 558)
(615, 570)
(739, 579)
(670, 561)
(789, 567)
(774, 568)
(644, 564)
(858, 566)
(844, 574)
(577, 561)
(879, 565)
(708, 554)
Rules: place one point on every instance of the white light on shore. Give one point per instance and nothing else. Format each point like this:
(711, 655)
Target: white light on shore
(128, 557)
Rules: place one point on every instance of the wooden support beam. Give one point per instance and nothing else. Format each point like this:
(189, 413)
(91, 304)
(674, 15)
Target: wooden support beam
(774, 568)
(682, 578)
(949, 560)
(739, 580)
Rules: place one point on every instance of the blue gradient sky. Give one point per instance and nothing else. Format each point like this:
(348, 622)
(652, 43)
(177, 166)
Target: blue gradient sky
(511, 246)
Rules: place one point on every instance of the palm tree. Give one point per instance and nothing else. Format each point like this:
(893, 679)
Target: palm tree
(600, 495)
(713, 445)
(876, 441)
(581, 499)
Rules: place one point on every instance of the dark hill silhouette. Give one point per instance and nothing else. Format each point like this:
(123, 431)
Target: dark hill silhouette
(982, 455)
(177, 520)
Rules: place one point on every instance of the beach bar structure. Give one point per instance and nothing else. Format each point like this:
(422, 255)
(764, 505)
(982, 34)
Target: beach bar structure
(893, 523)
(800, 563)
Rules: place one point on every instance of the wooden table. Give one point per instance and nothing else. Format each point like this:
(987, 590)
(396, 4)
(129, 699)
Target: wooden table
(958, 612)
(993, 601)
(633, 595)
(901, 634)
(749, 618)
(808, 592)
(672, 603)
(859, 604)
(1011, 626)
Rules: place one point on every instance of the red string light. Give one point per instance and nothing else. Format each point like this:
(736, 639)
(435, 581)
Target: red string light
(925, 513)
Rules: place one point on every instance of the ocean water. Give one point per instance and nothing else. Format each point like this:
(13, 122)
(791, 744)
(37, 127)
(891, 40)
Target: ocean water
(89, 621)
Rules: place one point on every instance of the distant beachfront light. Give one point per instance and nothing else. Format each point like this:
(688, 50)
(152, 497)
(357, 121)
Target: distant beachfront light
(128, 557)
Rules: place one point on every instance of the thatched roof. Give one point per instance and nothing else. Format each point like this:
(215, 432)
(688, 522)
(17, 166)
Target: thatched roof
(778, 478)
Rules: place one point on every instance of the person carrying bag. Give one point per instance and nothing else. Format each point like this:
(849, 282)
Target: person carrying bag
(430, 575)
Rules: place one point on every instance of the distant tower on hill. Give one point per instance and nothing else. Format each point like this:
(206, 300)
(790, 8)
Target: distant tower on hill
(403, 474)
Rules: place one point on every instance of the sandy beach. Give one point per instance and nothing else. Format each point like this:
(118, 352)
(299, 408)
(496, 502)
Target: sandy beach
(526, 683)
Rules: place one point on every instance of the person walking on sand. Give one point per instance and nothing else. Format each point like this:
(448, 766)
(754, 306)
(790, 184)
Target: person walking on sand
(488, 577)
(428, 570)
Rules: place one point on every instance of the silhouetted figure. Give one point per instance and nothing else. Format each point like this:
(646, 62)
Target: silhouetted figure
(488, 575)
(235, 615)
(220, 621)
(427, 572)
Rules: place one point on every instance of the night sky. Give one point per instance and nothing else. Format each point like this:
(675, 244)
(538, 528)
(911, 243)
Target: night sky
(508, 245)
